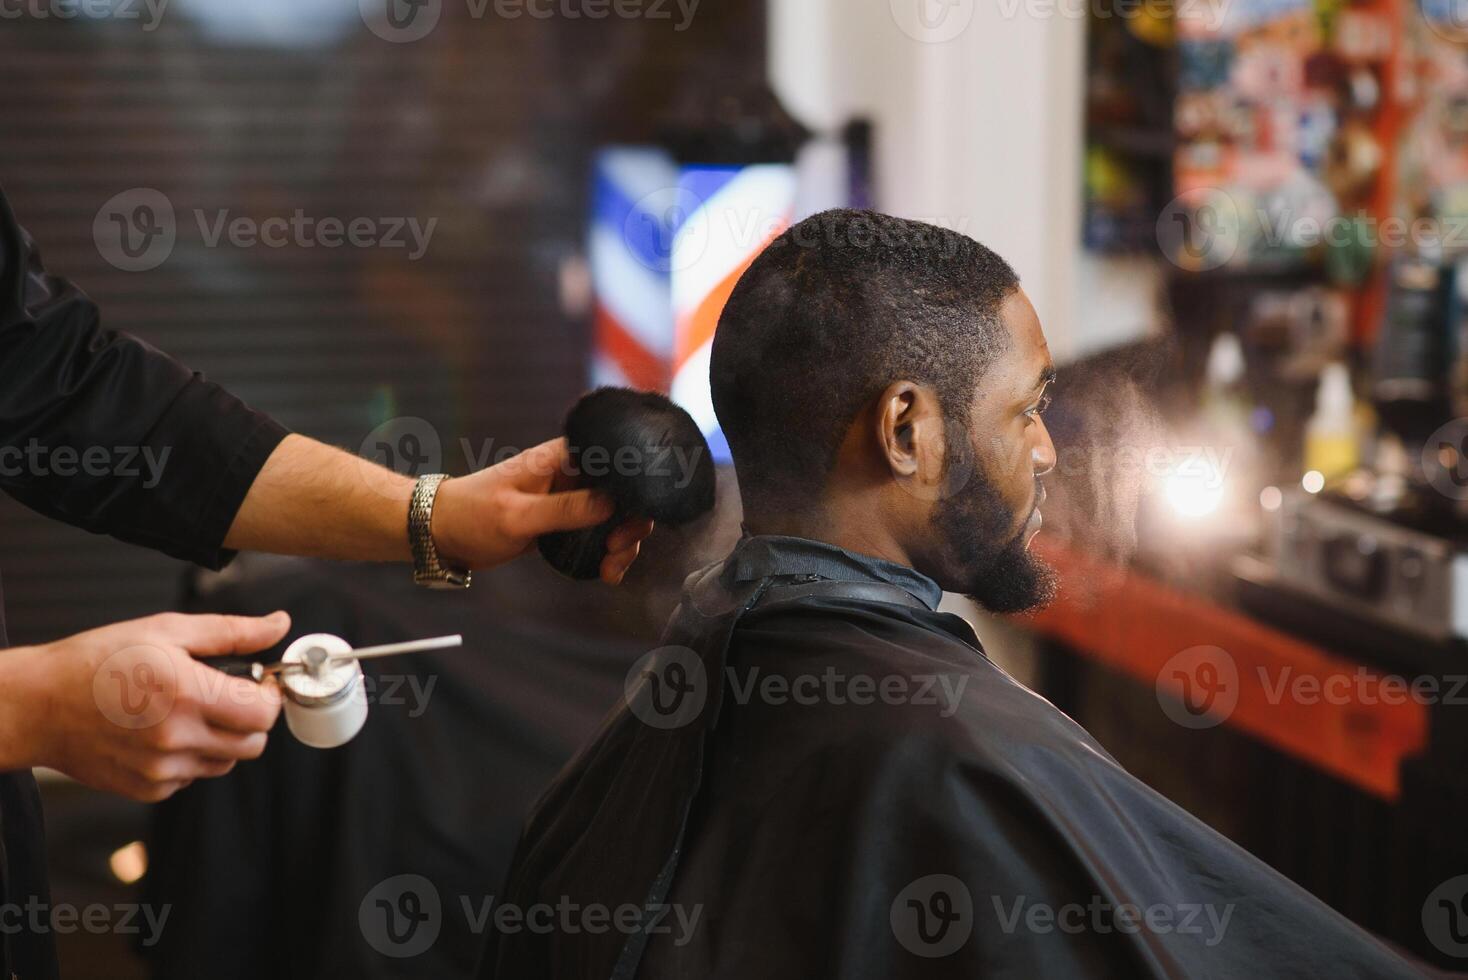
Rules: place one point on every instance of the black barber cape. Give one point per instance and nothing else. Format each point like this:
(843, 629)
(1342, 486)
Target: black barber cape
(66, 382)
(840, 786)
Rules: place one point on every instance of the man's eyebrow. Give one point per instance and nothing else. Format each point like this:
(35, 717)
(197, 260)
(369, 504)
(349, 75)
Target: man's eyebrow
(1047, 377)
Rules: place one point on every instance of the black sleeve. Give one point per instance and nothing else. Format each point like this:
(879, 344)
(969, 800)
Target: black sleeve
(101, 431)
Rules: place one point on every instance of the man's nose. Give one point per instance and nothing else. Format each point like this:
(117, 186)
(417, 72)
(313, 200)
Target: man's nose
(1043, 453)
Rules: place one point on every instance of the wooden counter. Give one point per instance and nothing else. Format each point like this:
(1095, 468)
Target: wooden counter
(1298, 698)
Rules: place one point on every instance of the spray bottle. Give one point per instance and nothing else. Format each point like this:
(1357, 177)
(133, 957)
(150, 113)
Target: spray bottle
(324, 685)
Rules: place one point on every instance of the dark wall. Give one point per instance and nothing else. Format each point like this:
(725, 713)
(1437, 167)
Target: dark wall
(486, 125)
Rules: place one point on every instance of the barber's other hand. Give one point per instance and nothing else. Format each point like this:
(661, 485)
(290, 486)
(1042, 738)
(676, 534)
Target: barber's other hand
(127, 708)
(494, 515)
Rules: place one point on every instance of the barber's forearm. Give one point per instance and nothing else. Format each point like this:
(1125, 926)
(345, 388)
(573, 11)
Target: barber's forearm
(314, 500)
(318, 501)
(18, 708)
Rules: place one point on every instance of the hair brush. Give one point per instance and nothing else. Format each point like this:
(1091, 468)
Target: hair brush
(643, 452)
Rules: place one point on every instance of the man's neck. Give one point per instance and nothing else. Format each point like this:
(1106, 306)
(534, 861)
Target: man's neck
(856, 532)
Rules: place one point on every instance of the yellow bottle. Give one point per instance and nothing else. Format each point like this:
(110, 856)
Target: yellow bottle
(1332, 448)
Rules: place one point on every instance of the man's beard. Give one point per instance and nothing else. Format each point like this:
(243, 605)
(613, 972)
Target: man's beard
(986, 559)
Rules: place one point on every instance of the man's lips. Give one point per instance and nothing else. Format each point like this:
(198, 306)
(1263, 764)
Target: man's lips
(1036, 520)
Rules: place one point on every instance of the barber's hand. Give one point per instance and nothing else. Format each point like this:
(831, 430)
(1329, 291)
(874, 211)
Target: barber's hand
(494, 515)
(128, 709)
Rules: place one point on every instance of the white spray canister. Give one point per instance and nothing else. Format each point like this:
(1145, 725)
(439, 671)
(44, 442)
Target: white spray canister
(326, 700)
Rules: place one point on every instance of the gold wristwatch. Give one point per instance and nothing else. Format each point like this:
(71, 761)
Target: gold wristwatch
(428, 570)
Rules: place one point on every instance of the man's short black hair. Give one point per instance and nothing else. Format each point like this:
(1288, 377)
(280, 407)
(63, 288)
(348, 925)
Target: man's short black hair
(834, 310)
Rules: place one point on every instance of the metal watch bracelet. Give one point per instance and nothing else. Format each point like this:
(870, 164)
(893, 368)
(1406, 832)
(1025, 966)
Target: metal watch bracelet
(428, 570)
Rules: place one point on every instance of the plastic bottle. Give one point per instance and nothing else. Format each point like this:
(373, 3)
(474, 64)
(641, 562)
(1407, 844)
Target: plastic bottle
(326, 706)
(1225, 403)
(1331, 445)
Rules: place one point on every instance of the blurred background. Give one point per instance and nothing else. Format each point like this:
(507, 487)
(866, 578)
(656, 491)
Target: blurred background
(419, 229)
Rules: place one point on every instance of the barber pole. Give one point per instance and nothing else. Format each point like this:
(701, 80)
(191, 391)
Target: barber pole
(736, 212)
(636, 207)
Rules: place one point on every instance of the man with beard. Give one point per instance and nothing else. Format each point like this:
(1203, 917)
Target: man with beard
(820, 774)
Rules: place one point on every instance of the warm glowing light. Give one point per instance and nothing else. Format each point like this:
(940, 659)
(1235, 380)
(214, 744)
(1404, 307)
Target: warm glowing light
(129, 863)
(1313, 481)
(1197, 492)
(1270, 498)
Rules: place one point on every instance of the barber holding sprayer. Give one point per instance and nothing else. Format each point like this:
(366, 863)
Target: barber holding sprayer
(127, 708)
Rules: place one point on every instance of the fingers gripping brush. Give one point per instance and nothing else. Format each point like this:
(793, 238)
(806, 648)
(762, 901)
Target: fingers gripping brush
(642, 451)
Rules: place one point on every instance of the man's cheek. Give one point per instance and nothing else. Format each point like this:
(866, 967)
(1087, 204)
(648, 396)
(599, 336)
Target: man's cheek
(1006, 464)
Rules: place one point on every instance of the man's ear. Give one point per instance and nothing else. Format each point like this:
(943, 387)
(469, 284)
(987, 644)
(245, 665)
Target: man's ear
(909, 423)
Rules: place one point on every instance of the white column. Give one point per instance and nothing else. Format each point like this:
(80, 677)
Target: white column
(978, 114)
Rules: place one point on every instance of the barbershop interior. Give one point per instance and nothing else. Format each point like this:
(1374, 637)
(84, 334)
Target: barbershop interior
(421, 231)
